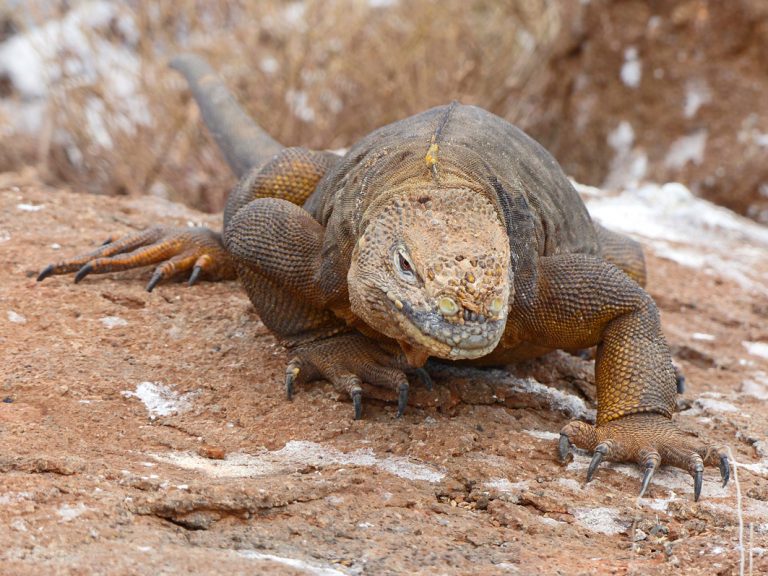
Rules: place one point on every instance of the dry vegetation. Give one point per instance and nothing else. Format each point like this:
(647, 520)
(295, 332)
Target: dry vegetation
(316, 73)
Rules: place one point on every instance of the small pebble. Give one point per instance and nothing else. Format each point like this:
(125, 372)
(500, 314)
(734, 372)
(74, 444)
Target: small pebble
(212, 452)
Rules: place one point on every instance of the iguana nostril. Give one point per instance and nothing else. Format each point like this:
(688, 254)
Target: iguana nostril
(447, 306)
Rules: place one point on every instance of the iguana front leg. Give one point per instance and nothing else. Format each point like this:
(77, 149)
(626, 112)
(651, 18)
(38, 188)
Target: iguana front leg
(292, 175)
(278, 251)
(583, 301)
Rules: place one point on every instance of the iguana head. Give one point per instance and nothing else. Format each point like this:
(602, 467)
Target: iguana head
(431, 269)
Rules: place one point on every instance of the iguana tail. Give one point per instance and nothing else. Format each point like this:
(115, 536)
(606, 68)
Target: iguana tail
(244, 144)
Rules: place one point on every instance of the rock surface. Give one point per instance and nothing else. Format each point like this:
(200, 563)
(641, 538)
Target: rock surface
(149, 434)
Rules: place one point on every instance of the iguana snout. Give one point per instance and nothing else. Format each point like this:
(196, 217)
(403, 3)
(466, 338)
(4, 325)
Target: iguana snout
(432, 270)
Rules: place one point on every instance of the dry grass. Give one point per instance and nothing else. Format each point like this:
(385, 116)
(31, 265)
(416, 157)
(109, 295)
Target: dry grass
(316, 73)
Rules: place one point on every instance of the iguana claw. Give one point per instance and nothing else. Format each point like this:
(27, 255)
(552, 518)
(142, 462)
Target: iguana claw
(357, 401)
(651, 464)
(402, 399)
(648, 439)
(47, 271)
(698, 480)
(725, 469)
(600, 451)
(83, 272)
(157, 275)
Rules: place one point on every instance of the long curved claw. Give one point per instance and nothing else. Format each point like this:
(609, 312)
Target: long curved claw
(698, 480)
(425, 378)
(563, 447)
(47, 271)
(402, 399)
(195, 275)
(83, 272)
(357, 401)
(725, 469)
(600, 451)
(680, 382)
(157, 275)
(291, 374)
(651, 465)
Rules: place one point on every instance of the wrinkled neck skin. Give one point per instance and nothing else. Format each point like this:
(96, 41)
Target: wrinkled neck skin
(431, 269)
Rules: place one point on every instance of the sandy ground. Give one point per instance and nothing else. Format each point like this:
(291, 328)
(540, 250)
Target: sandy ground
(149, 434)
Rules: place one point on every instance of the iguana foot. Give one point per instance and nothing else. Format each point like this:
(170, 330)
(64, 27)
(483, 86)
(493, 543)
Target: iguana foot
(176, 250)
(348, 361)
(648, 439)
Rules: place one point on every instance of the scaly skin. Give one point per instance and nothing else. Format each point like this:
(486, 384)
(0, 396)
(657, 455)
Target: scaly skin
(450, 234)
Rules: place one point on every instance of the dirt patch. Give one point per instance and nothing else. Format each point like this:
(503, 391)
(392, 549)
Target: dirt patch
(148, 433)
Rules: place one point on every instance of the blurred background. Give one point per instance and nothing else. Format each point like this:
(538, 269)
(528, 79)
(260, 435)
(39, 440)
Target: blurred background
(621, 92)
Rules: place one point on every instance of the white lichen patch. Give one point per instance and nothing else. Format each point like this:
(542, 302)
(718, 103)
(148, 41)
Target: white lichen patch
(504, 485)
(697, 93)
(678, 226)
(687, 149)
(759, 468)
(570, 484)
(659, 504)
(632, 68)
(16, 318)
(713, 405)
(543, 434)
(29, 207)
(298, 454)
(757, 386)
(602, 520)
(159, 399)
(113, 321)
(549, 521)
(756, 348)
(14, 497)
(69, 513)
(309, 568)
(703, 337)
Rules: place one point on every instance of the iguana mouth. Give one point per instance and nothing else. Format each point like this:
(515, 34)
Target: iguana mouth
(428, 330)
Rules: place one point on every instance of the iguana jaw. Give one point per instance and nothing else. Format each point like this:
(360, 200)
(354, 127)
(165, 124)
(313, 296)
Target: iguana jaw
(424, 334)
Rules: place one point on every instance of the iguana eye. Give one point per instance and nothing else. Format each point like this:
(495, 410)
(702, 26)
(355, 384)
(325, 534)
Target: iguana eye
(404, 266)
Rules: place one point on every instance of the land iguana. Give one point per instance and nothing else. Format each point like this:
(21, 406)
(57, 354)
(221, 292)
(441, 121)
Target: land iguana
(450, 234)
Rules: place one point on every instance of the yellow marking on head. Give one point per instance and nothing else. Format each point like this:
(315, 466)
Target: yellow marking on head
(398, 304)
(431, 158)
